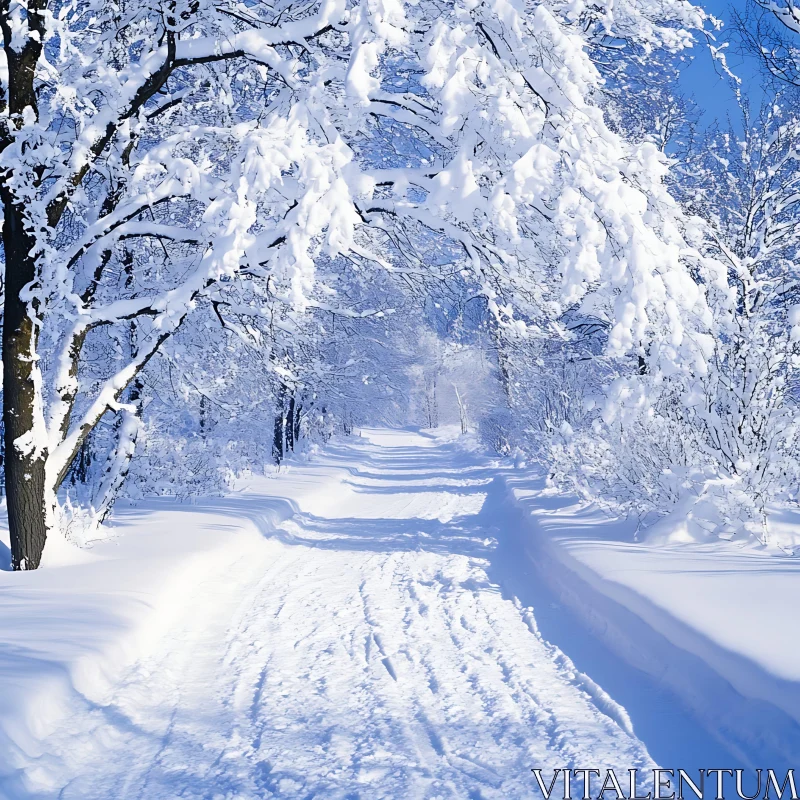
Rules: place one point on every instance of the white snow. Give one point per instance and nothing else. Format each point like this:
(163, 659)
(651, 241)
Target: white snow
(713, 622)
(332, 632)
(367, 624)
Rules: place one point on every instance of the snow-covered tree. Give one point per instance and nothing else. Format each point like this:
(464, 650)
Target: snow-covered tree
(151, 155)
(160, 158)
(725, 433)
(770, 31)
(747, 187)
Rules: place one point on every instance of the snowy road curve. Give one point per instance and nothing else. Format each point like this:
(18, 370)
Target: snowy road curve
(361, 653)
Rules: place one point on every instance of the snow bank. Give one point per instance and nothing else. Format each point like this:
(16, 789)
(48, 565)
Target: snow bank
(714, 623)
(70, 630)
(357, 648)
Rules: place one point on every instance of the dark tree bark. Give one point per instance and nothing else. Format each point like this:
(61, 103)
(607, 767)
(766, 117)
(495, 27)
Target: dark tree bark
(290, 425)
(297, 422)
(30, 486)
(24, 470)
(80, 471)
(203, 416)
(2, 456)
(24, 466)
(279, 431)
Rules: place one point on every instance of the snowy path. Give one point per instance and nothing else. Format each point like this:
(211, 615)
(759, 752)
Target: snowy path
(361, 652)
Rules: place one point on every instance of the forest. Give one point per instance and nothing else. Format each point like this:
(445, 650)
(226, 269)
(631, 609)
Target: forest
(557, 238)
(223, 219)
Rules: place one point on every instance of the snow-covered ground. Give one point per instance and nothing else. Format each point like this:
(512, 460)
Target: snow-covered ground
(368, 625)
(329, 633)
(713, 624)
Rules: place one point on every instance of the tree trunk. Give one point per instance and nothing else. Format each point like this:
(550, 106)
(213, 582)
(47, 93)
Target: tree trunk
(203, 416)
(82, 465)
(278, 436)
(2, 456)
(462, 411)
(290, 425)
(24, 462)
(297, 422)
(24, 467)
(118, 465)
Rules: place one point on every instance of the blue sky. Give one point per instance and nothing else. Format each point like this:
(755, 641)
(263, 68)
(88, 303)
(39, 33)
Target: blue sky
(711, 90)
